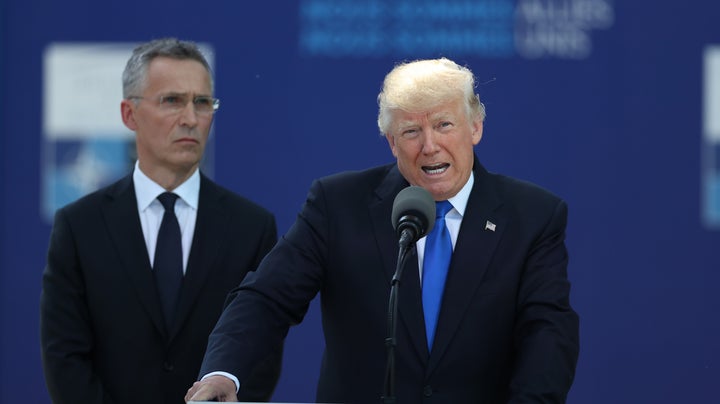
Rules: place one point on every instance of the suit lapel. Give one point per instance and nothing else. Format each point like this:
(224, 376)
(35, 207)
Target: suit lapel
(207, 240)
(474, 248)
(121, 214)
(409, 306)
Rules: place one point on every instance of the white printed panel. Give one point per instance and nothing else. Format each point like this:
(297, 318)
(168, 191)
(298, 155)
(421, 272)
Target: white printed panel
(83, 90)
(710, 175)
(711, 113)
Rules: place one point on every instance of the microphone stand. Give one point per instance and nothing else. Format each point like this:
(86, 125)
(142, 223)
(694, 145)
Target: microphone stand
(406, 246)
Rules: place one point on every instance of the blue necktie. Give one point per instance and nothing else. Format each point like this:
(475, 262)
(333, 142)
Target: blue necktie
(168, 264)
(438, 251)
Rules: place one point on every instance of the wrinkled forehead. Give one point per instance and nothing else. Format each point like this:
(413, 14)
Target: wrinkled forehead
(451, 110)
(178, 76)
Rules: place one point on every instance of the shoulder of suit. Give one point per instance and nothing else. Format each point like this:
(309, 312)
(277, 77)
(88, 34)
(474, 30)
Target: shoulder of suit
(522, 190)
(96, 198)
(355, 178)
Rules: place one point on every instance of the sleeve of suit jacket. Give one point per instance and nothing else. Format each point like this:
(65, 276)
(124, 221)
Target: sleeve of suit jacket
(272, 298)
(65, 327)
(260, 384)
(546, 327)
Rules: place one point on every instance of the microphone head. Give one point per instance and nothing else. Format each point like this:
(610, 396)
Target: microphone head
(414, 206)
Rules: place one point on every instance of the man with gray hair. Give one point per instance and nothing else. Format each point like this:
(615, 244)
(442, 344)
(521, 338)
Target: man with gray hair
(138, 272)
(484, 309)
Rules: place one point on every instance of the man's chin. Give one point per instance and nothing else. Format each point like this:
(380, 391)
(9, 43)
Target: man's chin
(438, 191)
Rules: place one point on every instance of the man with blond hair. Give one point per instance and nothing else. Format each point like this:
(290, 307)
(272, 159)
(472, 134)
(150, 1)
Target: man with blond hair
(490, 324)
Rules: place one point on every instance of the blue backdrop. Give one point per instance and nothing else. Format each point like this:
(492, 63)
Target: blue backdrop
(604, 102)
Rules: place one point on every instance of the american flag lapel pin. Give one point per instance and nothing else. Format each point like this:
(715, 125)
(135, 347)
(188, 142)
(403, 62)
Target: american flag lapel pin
(489, 226)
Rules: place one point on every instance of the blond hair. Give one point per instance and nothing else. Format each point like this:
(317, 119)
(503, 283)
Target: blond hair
(423, 84)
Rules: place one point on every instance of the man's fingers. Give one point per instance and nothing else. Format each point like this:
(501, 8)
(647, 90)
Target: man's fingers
(195, 393)
(212, 388)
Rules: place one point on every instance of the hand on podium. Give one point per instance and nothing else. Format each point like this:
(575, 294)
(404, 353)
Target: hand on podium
(215, 388)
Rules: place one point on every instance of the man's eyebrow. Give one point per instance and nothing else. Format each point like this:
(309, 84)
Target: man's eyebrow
(406, 124)
(180, 93)
(441, 115)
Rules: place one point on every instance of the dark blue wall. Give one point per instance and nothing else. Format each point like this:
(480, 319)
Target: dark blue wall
(617, 132)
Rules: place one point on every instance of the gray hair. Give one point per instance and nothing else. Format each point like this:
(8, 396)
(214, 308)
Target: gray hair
(135, 73)
(423, 84)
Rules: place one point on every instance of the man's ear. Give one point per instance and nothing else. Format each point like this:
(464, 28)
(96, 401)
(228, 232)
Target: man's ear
(477, 127)
(127, 112)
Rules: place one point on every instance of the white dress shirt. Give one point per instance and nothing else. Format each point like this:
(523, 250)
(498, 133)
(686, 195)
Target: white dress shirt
(453, 219)
(151, 210)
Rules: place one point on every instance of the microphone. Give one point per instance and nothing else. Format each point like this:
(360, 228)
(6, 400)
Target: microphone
(413, 214)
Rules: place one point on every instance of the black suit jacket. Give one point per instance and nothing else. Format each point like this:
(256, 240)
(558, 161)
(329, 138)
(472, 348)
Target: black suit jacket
(506, 331)
(102, 331)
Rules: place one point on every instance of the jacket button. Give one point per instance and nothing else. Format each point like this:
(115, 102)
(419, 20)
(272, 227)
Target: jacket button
(427, 391)
(168, 367)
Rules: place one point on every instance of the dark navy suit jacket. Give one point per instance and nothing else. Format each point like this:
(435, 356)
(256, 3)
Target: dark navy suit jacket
(102, 331)
(506, 331)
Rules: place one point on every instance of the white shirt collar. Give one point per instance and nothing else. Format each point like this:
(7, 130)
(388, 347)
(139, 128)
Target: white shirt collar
(460, 200)
(147, 190)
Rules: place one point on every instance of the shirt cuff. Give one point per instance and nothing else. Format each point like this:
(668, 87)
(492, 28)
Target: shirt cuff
(226, 374)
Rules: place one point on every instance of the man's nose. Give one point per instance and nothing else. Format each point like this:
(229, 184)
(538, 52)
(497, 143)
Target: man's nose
(429, 141)
(188, 115)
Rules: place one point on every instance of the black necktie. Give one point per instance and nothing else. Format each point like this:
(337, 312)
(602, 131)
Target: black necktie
(168, 264)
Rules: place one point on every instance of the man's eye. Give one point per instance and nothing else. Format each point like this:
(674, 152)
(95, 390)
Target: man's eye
(410, 133)
(171, 100)
(203, 101)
